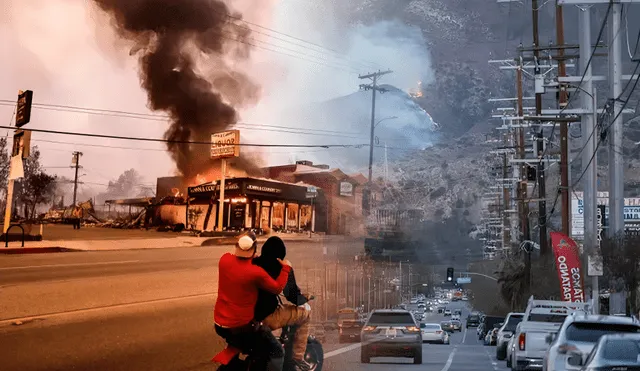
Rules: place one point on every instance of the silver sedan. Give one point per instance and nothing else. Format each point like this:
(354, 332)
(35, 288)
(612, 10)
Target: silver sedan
(433, 333)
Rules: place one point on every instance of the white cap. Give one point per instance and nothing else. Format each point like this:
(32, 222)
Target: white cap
(245, 243)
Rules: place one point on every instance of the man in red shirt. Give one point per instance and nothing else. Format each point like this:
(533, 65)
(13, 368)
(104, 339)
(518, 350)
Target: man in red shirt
(238, 284)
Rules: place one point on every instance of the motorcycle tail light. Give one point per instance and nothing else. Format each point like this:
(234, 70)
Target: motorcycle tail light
(368, 328)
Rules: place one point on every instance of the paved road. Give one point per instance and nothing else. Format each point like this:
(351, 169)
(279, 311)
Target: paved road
(465, 353)
(150, 310)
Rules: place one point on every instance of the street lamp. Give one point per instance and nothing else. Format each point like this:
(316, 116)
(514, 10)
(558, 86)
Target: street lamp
(386, 118)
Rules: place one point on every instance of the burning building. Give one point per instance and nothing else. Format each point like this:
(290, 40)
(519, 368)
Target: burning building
(279, 200)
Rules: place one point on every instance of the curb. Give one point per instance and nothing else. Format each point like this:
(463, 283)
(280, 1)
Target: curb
(230, 241)
(35, 250)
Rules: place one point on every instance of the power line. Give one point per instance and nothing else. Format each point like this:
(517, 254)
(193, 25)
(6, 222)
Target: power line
(362, 62)
(158, 140)
(163, 118)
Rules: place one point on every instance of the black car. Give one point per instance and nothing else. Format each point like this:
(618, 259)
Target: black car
(473, 320)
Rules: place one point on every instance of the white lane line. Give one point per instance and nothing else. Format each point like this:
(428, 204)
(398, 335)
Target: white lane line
(464, 336)
(493, 363)
(69, 265)
(348, 348)
(450, 359)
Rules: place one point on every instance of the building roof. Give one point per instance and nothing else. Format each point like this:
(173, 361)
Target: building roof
(143, 201)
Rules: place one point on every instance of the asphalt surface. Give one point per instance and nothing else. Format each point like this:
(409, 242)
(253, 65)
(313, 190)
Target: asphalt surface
(465, 353)
(152, 310)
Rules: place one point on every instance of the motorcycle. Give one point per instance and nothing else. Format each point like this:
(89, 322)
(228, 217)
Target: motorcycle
(229, 358)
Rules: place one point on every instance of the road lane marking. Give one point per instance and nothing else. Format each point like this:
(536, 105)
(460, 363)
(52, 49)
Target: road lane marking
(464, 336)
(493, 363)
(348, 348)
(450, 359)
(68, 265)
(97, 309)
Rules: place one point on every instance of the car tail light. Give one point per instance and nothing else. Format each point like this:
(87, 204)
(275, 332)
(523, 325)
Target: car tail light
(566, 348)
(369, 328)
(522, 341)
(412, 329)
(438, 332)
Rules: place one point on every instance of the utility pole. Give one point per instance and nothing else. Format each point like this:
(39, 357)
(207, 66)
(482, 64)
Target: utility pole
(374, 87)
(524, 174)
(616, 168)
(564, 126)
(589, 157)
(75, 162)
(539, 90)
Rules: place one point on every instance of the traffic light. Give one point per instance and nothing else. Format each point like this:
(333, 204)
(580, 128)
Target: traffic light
(449, 274)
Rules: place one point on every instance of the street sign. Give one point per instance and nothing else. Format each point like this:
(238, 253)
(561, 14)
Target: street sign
(312, 195)
(463, 280)
(23, 111)
(225, 144)
(21, 143)
(312, 192)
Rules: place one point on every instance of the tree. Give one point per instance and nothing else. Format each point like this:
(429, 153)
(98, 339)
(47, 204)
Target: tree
(36, 187)
(126, 184)
(620, 258)
(5, 162)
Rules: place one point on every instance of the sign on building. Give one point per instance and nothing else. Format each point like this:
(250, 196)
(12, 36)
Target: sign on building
(225, 144)
(346, 189)
(23, 111)
(312, 192)
(631, 212)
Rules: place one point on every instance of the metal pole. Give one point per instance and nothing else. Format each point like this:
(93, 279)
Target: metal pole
(589, 158)
(373, 125)
(7, 210)
(223, 170)
(564, 127)
(616, 169)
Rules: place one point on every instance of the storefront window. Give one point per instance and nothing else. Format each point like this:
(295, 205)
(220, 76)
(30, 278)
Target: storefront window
(292, 217)
(278, 216)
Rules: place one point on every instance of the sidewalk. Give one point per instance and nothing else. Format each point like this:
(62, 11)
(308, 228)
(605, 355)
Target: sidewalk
(150, 243)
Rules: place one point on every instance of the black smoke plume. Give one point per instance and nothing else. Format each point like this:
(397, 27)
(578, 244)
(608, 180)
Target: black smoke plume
(186, 50)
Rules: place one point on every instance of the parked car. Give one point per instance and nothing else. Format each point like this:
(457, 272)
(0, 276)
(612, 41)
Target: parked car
(433, 333)
(489, 323)
(542, 318)
(505, 333)
(579, 334)
(391, 333)
(611, 352)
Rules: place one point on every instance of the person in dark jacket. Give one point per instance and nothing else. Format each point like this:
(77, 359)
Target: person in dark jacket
(272, 311)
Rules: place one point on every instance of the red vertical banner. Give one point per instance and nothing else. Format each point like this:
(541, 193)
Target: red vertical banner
(570, 273)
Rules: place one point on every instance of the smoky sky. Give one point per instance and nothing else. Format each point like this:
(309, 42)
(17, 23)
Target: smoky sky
(186, 51)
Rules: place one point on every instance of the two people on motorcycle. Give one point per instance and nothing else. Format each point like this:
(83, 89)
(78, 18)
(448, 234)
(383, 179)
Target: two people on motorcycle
(245, 299)
(274, 311)
(239, 281)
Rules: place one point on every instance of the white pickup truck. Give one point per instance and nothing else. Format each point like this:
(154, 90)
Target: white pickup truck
(542, 317)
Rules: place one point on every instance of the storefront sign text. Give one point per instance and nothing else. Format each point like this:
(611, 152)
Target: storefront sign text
(257, 188)
(346, 189)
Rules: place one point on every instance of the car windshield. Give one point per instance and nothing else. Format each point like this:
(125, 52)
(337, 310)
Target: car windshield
(445, 324)
(625, 350)
(513, 322)
(545, 317)
(391, 318)
(591, 332)
(473, 318)
(455, 322)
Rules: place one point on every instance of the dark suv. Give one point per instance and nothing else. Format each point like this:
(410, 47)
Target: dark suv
(391, 333)
(473, 320)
